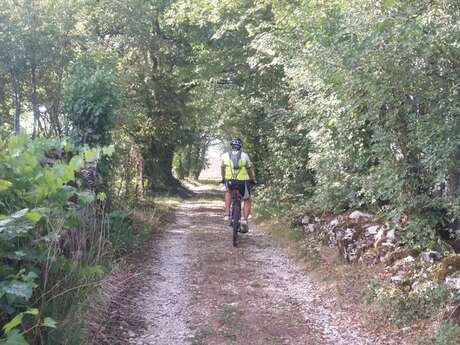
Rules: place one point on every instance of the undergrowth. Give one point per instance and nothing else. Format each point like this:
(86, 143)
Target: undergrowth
(403, 308)
(71, 282)
(58, 238)
(448, 334)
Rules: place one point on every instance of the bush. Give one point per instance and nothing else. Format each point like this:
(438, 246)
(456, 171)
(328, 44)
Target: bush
(402, 308)
(448, 334)
(41, 217)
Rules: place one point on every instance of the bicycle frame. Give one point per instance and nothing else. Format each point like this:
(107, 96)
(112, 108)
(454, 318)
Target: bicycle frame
(236, 213)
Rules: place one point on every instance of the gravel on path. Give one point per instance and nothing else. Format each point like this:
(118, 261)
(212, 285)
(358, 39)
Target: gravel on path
(198, 289)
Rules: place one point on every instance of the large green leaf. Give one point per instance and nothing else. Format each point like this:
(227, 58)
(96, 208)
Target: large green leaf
(49, 322)
(108, 150)
(33, 216)
(5, 185)
(389, 3)
(76, 163)
(91, 155)
(14, 338)
(86, 197)
(32, 311)
(16, 321)
(18, 289)
(15, 229)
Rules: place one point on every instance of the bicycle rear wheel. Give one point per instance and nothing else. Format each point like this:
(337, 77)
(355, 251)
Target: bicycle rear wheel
(236, 214)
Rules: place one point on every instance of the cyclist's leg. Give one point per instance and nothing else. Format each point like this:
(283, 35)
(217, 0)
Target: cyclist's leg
(247, 208)
(247, 201)
(228, 202)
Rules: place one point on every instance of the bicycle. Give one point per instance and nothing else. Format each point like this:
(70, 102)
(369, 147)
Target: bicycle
(235, 211)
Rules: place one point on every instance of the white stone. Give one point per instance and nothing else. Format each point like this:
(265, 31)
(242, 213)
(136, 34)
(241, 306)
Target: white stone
(5, 222)
(422, 286)
(372, 230)
(405, 330)
(388, 245)
(430, 256)
(397, 279)
(359, 215)
(391, 235)
(454, 281)
(305, 220)
(348, 234)
(334, 223)
(311, 227)
(408, 260)
(379, 237)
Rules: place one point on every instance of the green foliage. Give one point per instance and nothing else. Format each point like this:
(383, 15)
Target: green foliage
(341, 106)
(90, 98)
(448, 334)
(402, 308)
(14, 338)
(35, 50)
(34, 207)
(11, 328)
(122, 235)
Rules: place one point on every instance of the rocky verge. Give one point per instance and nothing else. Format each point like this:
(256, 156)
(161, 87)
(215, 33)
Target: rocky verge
(364, 238)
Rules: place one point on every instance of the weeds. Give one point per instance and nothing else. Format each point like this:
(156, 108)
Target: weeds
(229, 317)
(203, 334)
(309, 254)
(448, 334)
(403, 308)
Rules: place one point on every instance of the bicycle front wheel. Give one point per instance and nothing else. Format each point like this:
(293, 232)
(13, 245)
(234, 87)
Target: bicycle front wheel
(236, 215)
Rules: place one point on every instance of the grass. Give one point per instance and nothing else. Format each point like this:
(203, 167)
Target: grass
(129, 230)
(229, 317)
(403, 309)
(167, 201)
(298, 245)
(448, 334)
(203, 334)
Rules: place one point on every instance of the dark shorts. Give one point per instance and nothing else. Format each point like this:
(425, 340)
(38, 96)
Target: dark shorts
(243, 186)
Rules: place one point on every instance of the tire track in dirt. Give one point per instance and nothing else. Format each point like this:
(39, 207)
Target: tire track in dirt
(198, 289)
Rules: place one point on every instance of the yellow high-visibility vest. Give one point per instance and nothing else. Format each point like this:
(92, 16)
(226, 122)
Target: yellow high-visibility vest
(239, 173)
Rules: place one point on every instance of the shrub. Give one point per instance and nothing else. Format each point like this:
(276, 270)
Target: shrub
(402, 308)
(39, 204)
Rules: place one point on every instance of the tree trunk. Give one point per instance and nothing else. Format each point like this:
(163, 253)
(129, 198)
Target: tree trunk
(17, 105)
(158, 160)
(35, 106)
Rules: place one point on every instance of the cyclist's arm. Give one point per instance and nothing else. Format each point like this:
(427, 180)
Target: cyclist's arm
(222, 167)
(250, 169)
(251, 173)
(222, 172)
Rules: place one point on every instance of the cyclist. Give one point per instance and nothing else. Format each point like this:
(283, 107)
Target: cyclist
(236, 167)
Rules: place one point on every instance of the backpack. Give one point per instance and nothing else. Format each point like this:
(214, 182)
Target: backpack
(235, 158)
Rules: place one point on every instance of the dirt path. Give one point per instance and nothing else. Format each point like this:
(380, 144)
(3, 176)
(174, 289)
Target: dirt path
(197, 289)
